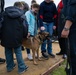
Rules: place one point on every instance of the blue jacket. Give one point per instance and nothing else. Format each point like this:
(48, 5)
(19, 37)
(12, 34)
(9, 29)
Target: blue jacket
(32, 22)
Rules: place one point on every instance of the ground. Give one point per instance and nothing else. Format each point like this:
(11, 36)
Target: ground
(33, 69)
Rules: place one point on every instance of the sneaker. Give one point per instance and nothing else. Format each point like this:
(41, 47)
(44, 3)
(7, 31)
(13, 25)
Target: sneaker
(64, 56)
(29, 56)
(12, 68)
(2, 60)
(45, 55)
(51, 55)
(24, 70)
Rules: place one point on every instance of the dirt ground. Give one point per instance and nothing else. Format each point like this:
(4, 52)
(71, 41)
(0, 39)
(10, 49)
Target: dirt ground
(33, 69)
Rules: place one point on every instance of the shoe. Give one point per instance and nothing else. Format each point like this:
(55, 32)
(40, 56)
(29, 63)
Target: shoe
(60, 53)
(52, 55)
(2, 60)
(54, 39)
(24, 70)
(12, 68)
(29, 56)
(64, 56)
(45, 55)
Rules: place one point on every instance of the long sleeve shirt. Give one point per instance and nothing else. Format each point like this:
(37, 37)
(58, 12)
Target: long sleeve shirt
(47, 12)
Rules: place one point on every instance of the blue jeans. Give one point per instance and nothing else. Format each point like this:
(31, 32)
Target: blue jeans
(10, 60)
(48, 28)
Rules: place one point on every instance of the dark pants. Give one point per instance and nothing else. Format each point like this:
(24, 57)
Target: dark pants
(72, 40)
(63, 43)
(28, 50)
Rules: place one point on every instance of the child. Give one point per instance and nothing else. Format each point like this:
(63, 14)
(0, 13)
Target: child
(31, 17)
(13, 31)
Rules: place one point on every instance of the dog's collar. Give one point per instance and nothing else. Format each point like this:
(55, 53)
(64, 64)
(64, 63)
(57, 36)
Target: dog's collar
(40, 40)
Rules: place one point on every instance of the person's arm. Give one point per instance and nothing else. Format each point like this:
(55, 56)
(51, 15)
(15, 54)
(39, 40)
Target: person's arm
(71, 13)
(27, 14)
(25, 26)
(55, 16)
(41, 11)
(66, 29)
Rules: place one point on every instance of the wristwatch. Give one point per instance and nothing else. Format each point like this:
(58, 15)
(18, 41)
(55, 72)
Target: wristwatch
(66, 29)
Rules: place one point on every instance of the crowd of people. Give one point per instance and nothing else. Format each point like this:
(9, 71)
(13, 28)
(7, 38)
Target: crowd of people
(23, 21)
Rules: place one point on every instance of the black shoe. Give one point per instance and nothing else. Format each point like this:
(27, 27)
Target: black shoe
(2, 60)
(52, 55)
(45, 55)
(60, 53)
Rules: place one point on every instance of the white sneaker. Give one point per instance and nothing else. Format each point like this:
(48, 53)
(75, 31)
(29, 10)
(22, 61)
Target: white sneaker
(29, 56)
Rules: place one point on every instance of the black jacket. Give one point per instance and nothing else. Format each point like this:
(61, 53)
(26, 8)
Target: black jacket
(62, 17)
(12, 28)
(47, 12)
(1, 6)
(71, 13)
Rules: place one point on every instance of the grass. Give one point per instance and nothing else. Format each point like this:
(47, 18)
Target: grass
(60, 70)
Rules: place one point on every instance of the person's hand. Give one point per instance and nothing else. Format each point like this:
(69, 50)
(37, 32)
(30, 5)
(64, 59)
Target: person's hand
(65, 33)
(28, 35)
(54, 27)
(42, 28)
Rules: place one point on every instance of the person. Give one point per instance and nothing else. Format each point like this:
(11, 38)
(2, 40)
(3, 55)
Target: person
(1, 11)
(69, 32)
(47, 13)
(63, 42)
(31, 17)
(25, 9)
(33, 1)
(13, 31)
(25, 6)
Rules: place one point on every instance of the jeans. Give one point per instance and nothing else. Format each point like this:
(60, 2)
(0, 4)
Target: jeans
(48, 28)
(72, 40)
(28, 51)
(10, 59)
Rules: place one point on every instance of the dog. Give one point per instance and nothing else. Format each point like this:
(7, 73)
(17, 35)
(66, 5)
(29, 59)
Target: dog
(34, 43)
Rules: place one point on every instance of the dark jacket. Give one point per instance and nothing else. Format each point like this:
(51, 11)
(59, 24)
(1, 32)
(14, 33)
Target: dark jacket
(13, 29)
(62, 17)
(47, 12)
(71, 13)
(1, 6)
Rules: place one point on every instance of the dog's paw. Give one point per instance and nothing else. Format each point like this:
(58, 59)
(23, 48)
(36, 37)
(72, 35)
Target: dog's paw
(40, 59)
(35, 63)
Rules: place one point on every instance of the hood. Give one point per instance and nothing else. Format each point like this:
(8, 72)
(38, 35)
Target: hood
(14, 12)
